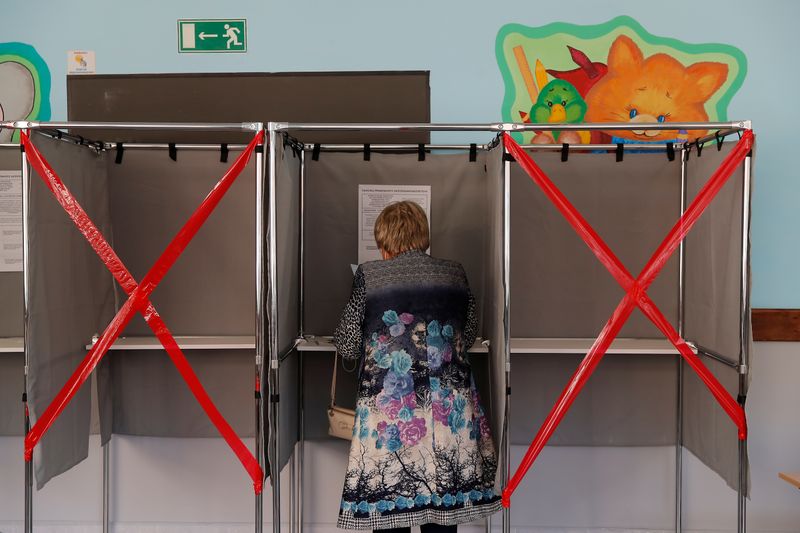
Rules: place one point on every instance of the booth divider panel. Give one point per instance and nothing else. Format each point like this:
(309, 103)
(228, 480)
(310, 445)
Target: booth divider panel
(629, 401)
(209, 291)
(707, 430)
(287, 196)
(713, 291)
(494, 326)
(458, 220)
(71, 298)
(11, 318)
(211, 288)
(714, 260)
(558, 287)
(151, 398)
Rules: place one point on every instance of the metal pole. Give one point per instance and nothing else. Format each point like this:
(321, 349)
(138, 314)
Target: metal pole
(26, 283)
(156, 126)
(106, 487)
(260, 332)
(509, 126)
(507, 329)
(681, 332)
(274, 373)
(300, 451)
(744, 338)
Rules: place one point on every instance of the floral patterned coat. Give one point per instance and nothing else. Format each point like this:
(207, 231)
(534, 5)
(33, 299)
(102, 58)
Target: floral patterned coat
(422, 449)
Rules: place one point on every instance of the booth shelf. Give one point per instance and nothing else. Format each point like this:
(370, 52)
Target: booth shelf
(536, 346)
(243, 342)
(12, 345)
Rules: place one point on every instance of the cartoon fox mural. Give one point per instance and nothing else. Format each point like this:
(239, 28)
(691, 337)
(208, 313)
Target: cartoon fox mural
(656, 89)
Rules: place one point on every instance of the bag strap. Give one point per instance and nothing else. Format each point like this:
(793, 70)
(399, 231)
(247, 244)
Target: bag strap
(333, 381)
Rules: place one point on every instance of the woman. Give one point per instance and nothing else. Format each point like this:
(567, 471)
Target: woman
(422, 451)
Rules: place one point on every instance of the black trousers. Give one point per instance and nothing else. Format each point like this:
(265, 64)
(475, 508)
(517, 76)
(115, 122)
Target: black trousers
(424, 528)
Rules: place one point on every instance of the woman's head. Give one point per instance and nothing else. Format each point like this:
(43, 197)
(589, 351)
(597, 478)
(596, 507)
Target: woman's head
(401, 227)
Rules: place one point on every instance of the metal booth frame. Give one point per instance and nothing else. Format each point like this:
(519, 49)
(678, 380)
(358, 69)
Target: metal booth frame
(54, 129)
(278, 129)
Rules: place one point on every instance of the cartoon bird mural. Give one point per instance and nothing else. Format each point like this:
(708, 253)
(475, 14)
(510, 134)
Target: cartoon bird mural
(558, 102)
(554, 102)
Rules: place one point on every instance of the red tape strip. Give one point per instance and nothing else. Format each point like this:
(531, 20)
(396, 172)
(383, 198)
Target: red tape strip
(635, 296)
(138, 301)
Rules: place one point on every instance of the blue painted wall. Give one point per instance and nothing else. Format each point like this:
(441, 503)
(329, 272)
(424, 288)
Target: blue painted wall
(455, 39)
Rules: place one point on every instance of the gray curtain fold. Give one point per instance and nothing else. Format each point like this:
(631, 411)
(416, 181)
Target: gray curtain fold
(71, 297)
(713, 313)
(494, 326)
(209, 291)
(287, 232)
(11, 316)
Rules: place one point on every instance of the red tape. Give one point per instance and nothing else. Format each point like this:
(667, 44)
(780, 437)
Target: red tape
(139, 302)
(636, 296)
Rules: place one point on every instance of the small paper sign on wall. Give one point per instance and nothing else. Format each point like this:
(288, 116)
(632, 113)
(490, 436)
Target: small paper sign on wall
(10, 221)
(80, 62)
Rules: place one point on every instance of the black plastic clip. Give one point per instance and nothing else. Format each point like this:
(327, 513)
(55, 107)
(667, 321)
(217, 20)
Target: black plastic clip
(258, 394)
(315, 152)
(508, 391)
(274, 398)
(473, 152)
(671, 151)
(120, 151)
(564, 151)
(508, 157)
(259, 149)
(81, 140)
(22, 148)
(59, 134)
(699, 146)
(367, 152)
(223, 153)
(719, 139)
(173, 152)
(420, 152)
(24, 397)
(620, 151)
(741, 399)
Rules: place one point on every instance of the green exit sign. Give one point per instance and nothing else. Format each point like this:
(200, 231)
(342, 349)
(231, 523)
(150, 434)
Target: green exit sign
(212, 35)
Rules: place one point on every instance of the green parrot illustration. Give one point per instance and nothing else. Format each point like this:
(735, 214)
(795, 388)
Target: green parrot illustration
(558, 102)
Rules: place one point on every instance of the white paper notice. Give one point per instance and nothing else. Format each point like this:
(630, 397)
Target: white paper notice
(371, 201)
(10, 221)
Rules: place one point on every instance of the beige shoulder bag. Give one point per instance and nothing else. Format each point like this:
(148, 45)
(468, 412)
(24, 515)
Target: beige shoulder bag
(340, 420)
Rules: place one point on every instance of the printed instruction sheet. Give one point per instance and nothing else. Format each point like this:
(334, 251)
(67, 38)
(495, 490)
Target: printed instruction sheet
(10, 221)
(371, 201)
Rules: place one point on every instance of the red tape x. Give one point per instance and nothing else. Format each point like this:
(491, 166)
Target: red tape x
(138, 301)
(636, 296)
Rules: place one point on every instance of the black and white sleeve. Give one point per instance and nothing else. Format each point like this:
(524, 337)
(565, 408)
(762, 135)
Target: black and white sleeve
(348, 334)
(471, 327)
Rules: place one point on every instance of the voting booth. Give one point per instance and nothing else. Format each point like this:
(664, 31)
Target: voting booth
(543, 293)
(140, 271)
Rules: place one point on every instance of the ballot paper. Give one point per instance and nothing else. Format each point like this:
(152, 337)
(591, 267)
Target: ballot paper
(371, 201)
(10, 221)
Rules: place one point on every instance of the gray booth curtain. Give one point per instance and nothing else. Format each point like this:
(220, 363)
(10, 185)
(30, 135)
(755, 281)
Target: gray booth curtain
(71, 296)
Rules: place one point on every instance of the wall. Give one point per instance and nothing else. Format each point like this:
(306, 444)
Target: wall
(455, 40)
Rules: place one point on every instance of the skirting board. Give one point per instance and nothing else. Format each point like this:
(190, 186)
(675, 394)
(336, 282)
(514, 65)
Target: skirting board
(776, 324)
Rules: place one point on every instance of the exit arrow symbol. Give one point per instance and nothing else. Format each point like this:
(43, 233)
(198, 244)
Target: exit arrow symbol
(204, 35)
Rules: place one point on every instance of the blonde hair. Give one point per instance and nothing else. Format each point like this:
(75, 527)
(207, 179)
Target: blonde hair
(402, 226)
